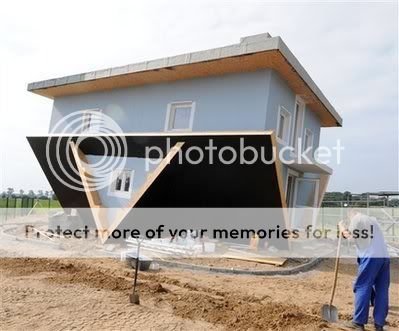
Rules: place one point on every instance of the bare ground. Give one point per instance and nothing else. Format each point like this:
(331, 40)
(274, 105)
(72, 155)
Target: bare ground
(92, 294)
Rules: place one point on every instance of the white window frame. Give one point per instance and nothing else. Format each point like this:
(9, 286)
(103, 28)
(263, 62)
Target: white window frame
(171, 111)
(292, 173)
(299, 132)
(120, 194)
(85, 114)
(308, 133)
(296, 175)
(287, 130)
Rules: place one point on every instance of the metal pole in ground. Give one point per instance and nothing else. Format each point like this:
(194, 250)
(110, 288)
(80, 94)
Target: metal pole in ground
(394, 226)
(134, 297)
(15, 206)
(6, 208)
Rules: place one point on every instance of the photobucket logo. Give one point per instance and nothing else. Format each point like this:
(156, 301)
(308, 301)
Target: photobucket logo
(247, 154)
(71, 131)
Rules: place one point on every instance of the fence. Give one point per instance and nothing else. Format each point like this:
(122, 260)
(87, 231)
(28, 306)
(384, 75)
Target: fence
(388, 217)
(16, 207)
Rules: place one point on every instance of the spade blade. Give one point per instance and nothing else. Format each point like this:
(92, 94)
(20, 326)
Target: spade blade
(134, 298)
(329, 313)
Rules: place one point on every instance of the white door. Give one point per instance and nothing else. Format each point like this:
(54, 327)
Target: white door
(290, 188)
(306, 195)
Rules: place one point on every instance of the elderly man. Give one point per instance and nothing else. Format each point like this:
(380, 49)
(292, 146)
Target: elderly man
(373, 269)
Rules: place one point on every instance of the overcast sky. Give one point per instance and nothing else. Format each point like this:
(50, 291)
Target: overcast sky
(350, 51)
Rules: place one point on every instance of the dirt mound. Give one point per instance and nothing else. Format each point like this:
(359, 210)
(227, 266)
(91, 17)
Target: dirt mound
(153, 288)
(185, 300)
(24, 266)
(240, 314)
(64, 271)
(232, 311)
(93, 278)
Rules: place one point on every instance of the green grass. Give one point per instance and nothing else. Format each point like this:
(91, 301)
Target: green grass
(45, 204)
(42, 203)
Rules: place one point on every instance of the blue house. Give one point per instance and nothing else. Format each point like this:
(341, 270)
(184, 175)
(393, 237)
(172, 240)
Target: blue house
(253, 89)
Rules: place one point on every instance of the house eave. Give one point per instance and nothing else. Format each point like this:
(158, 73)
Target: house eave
(261, 53)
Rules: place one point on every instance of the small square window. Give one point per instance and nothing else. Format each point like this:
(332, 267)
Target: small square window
(283, 125)
(180, 116)
(121, 183)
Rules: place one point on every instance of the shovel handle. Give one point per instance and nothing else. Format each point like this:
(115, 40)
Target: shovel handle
(137, 267)
(336, 269)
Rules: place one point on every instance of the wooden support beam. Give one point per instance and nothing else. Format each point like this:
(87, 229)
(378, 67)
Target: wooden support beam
(324, 179)
(92, 195)
(280, 182)
(276, 261)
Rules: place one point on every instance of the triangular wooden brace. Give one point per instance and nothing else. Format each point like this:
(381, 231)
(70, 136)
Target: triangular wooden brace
(95, 202)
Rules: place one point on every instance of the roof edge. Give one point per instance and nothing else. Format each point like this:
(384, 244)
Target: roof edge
(247, 46)
(290, 57)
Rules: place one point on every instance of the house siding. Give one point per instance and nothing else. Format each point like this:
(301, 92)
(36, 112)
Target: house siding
(312, 122)
(245, 101)
(230, 102)
(280, 94)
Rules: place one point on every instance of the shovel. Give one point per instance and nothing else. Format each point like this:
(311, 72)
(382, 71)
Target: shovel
(134, 296)
(329, 312)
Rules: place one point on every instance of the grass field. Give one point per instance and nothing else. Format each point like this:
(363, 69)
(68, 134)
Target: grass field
(40, 203)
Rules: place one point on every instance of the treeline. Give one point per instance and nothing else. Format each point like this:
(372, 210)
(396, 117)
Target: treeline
(40, 194)
(351, 198)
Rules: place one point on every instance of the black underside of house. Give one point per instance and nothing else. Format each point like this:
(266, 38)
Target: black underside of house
(181, 184)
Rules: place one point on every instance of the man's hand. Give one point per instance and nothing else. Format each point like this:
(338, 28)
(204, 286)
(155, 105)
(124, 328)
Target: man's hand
(342, 229)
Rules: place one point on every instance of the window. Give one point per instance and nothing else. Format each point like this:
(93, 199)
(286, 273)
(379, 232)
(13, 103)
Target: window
(298, 122)
(290, 187)
(180, 116)
(308, 140)
(121, 183)
(283, 125)
(307, 192)
(91, 120)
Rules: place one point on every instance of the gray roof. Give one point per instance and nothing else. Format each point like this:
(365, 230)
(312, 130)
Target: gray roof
(247, 46)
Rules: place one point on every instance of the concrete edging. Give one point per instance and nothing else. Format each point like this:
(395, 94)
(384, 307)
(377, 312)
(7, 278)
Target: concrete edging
(285, 272)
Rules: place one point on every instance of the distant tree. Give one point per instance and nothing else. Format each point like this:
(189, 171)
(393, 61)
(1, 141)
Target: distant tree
(10, 191)
(31, 194)
(347, 196)
(333, 196)
(40, 194)
(394, 203)
(21, 193)
(3, 194)
(53, 196)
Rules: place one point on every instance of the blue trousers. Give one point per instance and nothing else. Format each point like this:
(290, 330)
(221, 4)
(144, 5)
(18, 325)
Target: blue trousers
(373, 273)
